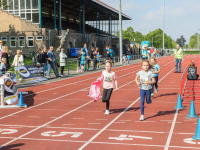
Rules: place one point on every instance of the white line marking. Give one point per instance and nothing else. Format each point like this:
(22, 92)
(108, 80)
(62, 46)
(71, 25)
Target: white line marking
(68, 124)
(34, 116)
(145, 121)
(83, 146)
(108, 143)
(171, 131)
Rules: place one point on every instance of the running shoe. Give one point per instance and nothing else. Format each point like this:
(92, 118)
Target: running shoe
(156, 90)
(142, 118)
(107, 112)
(95, 100)
(152, 95)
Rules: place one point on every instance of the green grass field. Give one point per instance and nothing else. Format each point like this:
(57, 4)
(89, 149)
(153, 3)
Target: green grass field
(191, 52)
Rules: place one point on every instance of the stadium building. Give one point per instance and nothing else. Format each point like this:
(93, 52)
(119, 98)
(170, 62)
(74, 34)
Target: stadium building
(32, 24)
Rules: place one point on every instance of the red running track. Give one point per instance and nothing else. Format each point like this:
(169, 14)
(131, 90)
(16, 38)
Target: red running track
(60, 116)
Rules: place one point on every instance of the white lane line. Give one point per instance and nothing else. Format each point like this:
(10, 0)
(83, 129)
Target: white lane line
(34, 116)
(68, 124)
(172, 127)
(89, 141)
(107, 143)
(171, 130)
(145, 121)
(101, 119)
(94, 123)
(78, 118)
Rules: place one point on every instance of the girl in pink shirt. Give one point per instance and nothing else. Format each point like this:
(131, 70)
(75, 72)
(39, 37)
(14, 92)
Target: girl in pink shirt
(109, 82)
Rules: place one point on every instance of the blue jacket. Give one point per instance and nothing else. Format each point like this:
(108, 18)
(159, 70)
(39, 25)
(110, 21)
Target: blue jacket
(86, 52)
(111, 53)
(51, 55)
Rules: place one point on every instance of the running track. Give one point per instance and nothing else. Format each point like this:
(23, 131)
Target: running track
(60, 116)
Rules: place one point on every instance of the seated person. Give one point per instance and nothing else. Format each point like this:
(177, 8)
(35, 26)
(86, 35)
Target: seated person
(192, 72)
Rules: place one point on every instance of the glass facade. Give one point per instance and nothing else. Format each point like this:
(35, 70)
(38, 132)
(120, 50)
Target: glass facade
(26, 9)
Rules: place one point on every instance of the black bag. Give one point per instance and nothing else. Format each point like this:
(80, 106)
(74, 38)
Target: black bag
(38, 57)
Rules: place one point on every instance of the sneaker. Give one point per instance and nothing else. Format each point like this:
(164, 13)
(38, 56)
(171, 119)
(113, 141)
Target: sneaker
(176, 72)
(152, 95)
(95, 100)
(156, 90)
(48, 77)
(142, 118)
(107, 112)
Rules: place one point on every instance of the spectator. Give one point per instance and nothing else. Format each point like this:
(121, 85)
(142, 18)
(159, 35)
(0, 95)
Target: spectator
(45, 60)
(79, 60)
(85, 50)
(63, 57)
(1, 45)
(18, 61)
(4, 54)
(92, 57)
(128, 53)
(38, 56)
(98, 59)
(151, 52)
(107, 51)
(3, 66)
(124, 59)
(53, 63)
(192, 72)
(82, 60)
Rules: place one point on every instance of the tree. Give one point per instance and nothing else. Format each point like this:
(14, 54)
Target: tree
(4, 3)
(193, 41)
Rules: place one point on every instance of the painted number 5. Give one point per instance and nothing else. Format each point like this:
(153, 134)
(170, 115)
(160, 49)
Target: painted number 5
(52, 134)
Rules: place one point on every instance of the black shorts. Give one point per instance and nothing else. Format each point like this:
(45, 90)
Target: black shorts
(106, 94)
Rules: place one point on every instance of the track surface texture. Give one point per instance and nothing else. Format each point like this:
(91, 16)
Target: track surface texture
(60, 115)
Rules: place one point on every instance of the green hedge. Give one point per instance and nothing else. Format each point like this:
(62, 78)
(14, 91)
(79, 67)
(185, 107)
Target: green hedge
(191, 52)
(28, 61)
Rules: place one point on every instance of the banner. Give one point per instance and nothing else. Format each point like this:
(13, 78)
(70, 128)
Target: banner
(10, 92)
(31, 74)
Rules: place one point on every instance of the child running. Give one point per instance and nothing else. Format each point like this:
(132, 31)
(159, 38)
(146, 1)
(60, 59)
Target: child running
(109, 82)
(146, 78)
(156, 71)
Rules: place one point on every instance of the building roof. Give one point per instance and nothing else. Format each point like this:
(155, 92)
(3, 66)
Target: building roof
(111, 8)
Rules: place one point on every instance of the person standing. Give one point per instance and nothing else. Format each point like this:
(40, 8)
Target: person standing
(1, 45)
(53, 63)
(128, 53)
(45, 60)
(92, 55)
(178, 58)
(85, 50)
(63, 58)
(4, 54)
(18, 61)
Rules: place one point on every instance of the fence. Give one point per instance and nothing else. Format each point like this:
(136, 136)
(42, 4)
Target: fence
(184, 82)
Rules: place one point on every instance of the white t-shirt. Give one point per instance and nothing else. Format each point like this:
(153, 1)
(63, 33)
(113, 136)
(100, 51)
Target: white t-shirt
(108, 79)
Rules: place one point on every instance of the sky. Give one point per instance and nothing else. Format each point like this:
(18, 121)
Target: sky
(182, 17)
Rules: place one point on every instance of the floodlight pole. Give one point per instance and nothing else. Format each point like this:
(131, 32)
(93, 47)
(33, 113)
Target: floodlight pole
(163, 24)
(120, 31)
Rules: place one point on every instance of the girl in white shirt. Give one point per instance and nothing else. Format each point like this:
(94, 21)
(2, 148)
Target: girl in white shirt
(109, 82)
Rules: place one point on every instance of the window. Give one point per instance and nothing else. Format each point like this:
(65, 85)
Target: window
(39, 38)
(12, 41)
(21, 40)
(4, 39)
(30, 41)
